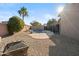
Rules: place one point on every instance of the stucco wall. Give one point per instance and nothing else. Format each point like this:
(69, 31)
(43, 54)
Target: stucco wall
(3, 29)
(69, 24)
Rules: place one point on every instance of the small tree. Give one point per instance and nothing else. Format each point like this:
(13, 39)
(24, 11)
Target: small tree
(35, 25)
(51, 24)
(15, 24)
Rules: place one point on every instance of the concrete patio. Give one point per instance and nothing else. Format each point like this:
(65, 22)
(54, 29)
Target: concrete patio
(39, 36)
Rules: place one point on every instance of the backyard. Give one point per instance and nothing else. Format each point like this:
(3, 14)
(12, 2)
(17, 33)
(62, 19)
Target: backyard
(51, 32)
(37, 47)
(55, 46)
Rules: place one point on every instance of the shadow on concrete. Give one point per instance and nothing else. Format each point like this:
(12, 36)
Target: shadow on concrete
(65, 46)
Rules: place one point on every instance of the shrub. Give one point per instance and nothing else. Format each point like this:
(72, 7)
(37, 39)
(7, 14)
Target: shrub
(15, 24)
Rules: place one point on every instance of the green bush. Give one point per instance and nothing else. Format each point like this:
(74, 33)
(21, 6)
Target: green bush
(15, 24)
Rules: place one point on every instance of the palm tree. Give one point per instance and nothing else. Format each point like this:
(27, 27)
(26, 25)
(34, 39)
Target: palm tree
(23, 12)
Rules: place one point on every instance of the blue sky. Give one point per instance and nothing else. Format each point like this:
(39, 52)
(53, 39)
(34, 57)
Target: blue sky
(41, 12)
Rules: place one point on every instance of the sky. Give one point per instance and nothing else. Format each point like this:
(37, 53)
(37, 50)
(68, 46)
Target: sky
(40, 12)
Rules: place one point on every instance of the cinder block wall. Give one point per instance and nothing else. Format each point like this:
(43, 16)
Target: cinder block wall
(69, 24)
(3, 29)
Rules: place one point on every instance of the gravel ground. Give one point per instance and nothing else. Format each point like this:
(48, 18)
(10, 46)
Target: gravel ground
(56, 46)
(36, 47)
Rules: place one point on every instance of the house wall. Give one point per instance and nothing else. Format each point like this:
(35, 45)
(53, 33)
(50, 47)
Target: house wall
(69, 24)
(3, 29)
